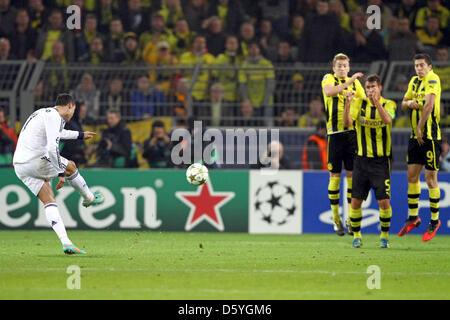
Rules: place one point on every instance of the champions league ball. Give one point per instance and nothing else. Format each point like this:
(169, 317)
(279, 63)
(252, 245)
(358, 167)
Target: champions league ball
(197, 174)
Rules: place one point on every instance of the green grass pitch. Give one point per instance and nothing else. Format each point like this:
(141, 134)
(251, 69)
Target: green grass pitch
(160, 265)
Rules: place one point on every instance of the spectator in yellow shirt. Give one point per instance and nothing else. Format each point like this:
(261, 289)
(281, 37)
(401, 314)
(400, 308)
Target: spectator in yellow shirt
(55, 31)
(445, 117)
(231, 60)
(247, 36)
(314, 115)
(257, 83)
(443, 71)
(337, 8)
(58, 79)
(130, 53)
(171, 11)
(295, 33)
(182, 38)
(198, 54)
(158, 32)
(163, 78)
(433, 7)
(431, 35)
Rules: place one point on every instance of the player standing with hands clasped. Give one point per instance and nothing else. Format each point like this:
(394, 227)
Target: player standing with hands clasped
(37, 161)
(341, 139)
(422, 101)
(372, 117)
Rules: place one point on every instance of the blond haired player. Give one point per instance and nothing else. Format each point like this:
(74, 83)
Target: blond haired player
(341, 139)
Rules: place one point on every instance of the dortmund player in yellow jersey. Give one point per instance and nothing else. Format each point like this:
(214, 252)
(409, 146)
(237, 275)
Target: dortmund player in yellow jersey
(372, 117)
(422, 101)
(341, 139)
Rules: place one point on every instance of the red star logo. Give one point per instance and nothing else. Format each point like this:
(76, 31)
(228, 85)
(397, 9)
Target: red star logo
(204, 204)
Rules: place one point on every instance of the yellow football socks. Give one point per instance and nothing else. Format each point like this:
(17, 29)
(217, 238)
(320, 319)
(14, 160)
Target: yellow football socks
(355, 221)
(385, 222)
(413, 199)
(349, 190)
(435, 195)
(333, 195)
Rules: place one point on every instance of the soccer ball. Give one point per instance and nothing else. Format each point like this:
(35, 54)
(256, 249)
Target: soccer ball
(197, 174)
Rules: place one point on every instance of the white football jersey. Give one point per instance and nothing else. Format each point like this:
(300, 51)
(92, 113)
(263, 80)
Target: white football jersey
(39, 138)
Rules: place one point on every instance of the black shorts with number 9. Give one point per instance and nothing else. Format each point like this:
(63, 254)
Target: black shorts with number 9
(427, 154)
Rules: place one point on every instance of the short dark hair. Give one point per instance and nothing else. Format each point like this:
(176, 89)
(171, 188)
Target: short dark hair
(231, 36)
(156, 15)
(283, 41)
(114, 111)
(158, 124)
(64, 99)
(423, 56)
(254, 43)
(198, 36)
(53, 11)
(91, 16)
(374, 78)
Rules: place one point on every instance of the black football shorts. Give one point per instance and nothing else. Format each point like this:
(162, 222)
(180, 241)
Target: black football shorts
(427, 154)
(341, 148)
(371, 173)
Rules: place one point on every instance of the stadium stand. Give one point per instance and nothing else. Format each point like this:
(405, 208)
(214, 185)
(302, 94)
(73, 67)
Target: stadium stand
(160, 69)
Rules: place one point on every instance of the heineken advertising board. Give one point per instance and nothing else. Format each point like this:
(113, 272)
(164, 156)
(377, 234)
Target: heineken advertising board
(287, 201)
(134, 199)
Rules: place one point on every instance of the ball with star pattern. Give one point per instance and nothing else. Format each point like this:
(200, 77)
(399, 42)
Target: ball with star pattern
(275, 203)
(197, 174)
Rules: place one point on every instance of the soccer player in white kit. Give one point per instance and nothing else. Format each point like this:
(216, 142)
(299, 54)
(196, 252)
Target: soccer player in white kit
(37, 161)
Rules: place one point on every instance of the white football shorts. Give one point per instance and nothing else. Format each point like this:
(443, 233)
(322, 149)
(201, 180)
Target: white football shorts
(35, 173)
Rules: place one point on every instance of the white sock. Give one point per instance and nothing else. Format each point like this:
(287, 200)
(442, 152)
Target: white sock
(77, 181)
(55, 221)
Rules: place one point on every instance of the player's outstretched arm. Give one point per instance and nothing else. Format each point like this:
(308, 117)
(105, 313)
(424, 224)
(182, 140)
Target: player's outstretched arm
(332, 90)
(88, 135)
(72, 135)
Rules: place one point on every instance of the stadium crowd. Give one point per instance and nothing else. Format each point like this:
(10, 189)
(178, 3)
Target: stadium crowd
(250, 38)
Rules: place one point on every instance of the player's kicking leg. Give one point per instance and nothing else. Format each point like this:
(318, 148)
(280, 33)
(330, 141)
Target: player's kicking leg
(47, 197)
(77, 181)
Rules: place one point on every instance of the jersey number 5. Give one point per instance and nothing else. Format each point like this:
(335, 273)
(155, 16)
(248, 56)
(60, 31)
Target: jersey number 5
(387, 183)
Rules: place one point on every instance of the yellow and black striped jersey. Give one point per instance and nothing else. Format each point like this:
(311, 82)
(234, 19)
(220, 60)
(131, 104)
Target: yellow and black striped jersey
(373, 135)
(418, 88)
(334, 105)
